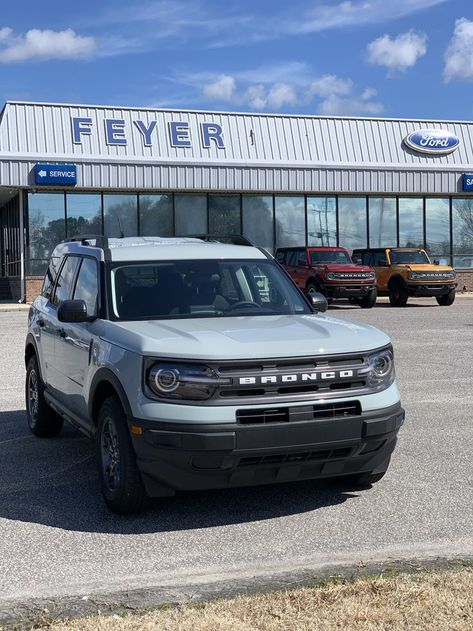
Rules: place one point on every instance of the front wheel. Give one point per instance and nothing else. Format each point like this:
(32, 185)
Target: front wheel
(43, 421)
(447, 299)
(398, 294)
(122, 486)
(369, 301)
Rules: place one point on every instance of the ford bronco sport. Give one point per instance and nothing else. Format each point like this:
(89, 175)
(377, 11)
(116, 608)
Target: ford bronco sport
(331, 272)
(196, 365)
(404, 272)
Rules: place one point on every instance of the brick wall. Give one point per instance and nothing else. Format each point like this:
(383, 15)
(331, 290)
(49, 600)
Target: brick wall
(33, 286)
(465, 280)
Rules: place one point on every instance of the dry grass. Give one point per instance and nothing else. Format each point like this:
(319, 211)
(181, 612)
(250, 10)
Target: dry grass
(440, 601)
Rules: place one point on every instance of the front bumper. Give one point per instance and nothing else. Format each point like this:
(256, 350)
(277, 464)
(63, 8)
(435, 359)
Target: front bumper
(173, 456)
(332, 290)
(429, 289)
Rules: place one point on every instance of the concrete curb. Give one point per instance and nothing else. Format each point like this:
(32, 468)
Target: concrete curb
(29, 613)
(7, 307)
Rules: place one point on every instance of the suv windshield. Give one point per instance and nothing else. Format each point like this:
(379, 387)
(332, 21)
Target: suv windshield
(337, 256)
(193, 289)
(403, 258)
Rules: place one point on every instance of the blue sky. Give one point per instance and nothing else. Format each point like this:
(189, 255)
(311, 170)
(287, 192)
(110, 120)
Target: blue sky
(406, 58)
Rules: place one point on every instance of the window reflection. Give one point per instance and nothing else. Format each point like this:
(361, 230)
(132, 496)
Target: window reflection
(437, 219)
(224, 214)
(190, 214)
(156, 215)
(411, 222)
(352, 222)
(258, 219)
(322, 221)
(47, 227)
(290, 221)
(462, 219)
(120, 215)
(84, 214)
(382, 214)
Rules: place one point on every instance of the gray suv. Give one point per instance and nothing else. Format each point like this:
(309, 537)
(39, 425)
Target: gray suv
(196, 364)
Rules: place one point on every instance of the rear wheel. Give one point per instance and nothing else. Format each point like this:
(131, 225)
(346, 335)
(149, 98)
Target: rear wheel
(369, 301)
(447, 299)
(43, 421)
(398, 294)
(121, 482)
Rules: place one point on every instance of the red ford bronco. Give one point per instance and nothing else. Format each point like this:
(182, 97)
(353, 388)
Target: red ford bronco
(331, 272)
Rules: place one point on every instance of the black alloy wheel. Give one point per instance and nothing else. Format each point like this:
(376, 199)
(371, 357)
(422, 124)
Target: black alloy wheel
(43, 421)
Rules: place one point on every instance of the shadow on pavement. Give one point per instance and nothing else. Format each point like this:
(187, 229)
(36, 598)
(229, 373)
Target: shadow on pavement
(54, 482)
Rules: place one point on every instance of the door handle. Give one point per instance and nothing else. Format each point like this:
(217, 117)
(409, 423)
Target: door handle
(41, 323)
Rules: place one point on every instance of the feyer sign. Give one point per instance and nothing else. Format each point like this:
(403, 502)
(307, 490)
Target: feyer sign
(116, 132)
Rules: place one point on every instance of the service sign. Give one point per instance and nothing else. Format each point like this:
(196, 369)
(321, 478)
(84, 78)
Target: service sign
(55, 174)
(468, 182)
(435, 142)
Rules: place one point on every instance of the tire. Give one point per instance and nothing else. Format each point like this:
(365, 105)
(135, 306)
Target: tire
(398, 294)
(43, 421)
(120, 479)
(447, 299)
(368, 479)
(369, 301)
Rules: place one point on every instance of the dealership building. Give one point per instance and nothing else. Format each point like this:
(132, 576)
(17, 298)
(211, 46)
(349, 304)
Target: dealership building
(280, 180)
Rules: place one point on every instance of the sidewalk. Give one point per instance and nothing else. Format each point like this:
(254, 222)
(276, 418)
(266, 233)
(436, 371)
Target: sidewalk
(8, 305)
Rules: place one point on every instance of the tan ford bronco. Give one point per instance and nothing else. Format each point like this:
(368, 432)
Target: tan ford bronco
(404, 272)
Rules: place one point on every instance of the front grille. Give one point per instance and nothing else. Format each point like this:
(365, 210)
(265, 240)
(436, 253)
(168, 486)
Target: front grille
(351, 276)
(280, 380)
(302, 456)
(324, 411)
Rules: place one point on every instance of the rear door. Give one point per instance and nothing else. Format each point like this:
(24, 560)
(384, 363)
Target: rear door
(379, 263)
(301, 270)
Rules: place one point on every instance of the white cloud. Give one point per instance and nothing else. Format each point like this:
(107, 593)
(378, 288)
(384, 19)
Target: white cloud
(329, 94)
(222, 89)
(39, 44)
(330, 85)
(397, 53)
(459, 54)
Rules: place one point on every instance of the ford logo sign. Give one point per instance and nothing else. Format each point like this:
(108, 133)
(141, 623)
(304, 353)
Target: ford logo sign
(432, 141)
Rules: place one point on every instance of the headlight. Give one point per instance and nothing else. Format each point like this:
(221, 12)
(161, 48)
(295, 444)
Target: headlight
(331, 276)
(379, 371)
(371, 275)
(415, 276)
(169, 380)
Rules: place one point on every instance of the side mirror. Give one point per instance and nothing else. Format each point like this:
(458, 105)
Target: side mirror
(72, 311)
(318, 302)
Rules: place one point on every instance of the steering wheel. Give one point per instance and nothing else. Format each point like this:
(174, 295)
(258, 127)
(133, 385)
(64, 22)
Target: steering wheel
(245, 303)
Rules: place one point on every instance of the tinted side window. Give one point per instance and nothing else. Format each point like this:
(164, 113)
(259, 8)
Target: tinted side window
(65, 282)
(301, 258)
(379, 259)
(280, 256)
(291, 258)
(50, 276)
(87, 285)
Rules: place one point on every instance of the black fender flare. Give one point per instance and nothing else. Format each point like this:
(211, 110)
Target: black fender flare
(31, 341)
(397, 279)
(106, 375)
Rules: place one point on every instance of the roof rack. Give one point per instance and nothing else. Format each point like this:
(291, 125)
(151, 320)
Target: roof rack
(233, 239)
(100, 240)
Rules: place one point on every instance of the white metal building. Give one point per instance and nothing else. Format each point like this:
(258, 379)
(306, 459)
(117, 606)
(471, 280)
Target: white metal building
(280, 180)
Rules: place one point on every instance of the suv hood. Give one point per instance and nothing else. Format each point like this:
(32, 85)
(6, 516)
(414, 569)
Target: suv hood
(345, 267)
(424, 267)
(245, 337)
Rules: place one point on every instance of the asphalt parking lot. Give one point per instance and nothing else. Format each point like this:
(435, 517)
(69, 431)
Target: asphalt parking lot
(58, 537)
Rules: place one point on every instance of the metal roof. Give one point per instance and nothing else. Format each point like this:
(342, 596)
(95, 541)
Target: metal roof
(259, 151)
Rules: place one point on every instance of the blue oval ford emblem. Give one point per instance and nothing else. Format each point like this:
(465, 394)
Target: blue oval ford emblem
(433, 141)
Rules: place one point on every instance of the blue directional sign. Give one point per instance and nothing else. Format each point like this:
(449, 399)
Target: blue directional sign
(468, 181)
(55, 174)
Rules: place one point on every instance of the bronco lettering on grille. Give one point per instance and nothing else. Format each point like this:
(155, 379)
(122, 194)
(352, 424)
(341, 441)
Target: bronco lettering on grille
(297, 378)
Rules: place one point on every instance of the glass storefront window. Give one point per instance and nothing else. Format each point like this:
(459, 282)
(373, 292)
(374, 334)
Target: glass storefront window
(411, 222)
(84, 213)
(190, 214)
(437, 228)
(156, 215)
(120, 215)
(46, 228)
(258, 219)
(290, 221)
(352, 222)
(462, 220)
(322, 221)
(382, 224)
(224, 214)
